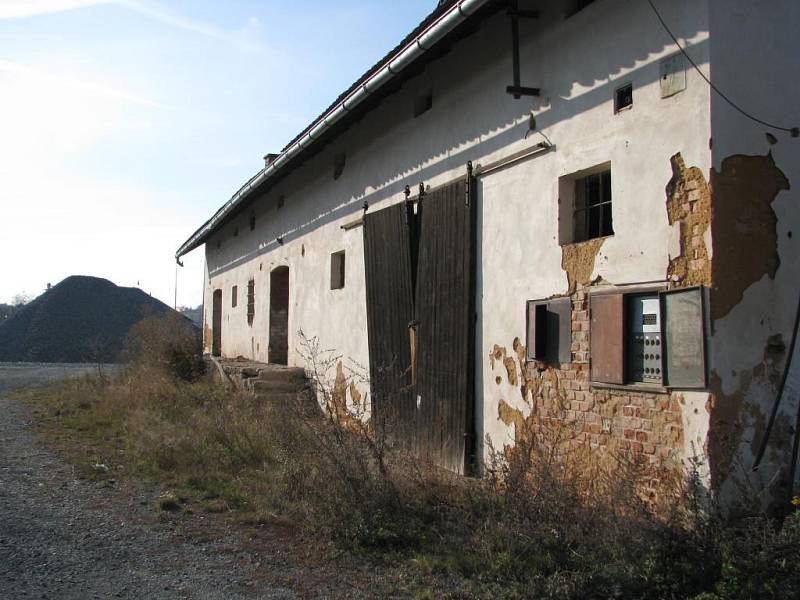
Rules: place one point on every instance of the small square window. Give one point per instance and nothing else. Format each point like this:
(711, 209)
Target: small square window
(592, 216)
(337, 270)
(549, 330)
(623, 97)
(234, 296)
(585, 205)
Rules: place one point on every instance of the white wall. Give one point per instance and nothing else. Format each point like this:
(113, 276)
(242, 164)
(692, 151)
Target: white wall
(761, 76)
(578, 63)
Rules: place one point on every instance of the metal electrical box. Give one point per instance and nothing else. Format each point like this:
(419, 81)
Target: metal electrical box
(645, 348)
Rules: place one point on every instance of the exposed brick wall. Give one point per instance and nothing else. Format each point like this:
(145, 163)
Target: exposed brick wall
(611, 422)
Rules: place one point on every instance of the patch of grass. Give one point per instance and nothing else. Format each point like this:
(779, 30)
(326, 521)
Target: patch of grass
(168, 501)
(542, 523)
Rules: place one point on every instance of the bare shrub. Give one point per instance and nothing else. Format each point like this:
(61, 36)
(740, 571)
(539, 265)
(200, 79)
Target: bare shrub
(168, 343)
(548, 519)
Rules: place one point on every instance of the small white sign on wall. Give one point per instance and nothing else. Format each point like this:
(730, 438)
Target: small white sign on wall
(672, 71)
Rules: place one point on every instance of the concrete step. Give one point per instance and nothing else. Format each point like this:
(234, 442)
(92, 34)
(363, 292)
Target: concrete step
(279, 386)
(288, 374)
(286, 400)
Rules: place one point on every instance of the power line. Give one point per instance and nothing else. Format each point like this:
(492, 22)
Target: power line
(794, 131)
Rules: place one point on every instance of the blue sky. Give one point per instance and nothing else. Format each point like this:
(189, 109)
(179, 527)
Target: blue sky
(125, 123)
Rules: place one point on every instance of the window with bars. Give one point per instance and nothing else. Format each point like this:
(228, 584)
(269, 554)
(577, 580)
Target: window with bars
(251, 301)
(592, 214)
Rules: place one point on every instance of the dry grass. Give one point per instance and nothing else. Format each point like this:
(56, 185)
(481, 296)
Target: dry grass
(545, 521)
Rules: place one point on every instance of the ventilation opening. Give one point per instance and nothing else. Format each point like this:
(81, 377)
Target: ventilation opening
(623, 97)
(252, 222)
(423, 104)
(337, 270)
(234, 296)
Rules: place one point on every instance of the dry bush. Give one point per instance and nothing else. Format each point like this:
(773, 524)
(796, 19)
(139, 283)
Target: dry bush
(550, 518)
(169, 343)
(547, 520)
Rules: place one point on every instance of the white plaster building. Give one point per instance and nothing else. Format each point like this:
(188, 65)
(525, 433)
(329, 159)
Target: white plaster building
(627, 200)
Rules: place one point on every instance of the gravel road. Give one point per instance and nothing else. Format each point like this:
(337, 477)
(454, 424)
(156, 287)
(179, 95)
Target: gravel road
(64, 538)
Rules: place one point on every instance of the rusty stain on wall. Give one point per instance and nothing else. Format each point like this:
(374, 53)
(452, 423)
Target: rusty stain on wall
(496, 354)
(728, 410)
(725, 428)
(511, 416)
(511, 370)
(577, 260)
(337, 407)
(744, 227)
(689, 205)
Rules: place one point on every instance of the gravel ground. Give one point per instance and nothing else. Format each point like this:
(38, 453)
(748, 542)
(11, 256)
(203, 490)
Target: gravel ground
(65, 538)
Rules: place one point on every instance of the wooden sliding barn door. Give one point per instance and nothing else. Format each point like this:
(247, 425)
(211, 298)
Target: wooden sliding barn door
(420, 280)
(390, 309)
(444, 310)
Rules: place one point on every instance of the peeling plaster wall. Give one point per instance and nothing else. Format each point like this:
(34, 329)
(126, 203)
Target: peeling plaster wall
(658, 152)
(755, 230)
(519, 207)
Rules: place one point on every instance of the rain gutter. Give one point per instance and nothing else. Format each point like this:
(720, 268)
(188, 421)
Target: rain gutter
(418, 46)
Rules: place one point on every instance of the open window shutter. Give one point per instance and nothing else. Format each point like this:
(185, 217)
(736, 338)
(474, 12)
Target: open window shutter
(606, 338)
(559, 330)
(684, 338)
(537, 331)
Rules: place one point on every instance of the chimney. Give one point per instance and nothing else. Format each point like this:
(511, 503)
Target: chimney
(269, 159)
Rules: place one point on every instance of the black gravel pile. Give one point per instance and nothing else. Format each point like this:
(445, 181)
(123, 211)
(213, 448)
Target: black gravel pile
(82, 319)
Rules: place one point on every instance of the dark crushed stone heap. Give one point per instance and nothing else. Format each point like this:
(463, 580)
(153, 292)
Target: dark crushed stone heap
(82, 319)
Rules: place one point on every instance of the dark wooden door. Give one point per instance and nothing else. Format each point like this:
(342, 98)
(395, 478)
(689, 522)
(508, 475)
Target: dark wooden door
(390, 311)
(278, 350)
(444, 310)
(216, 324)
(420, 271)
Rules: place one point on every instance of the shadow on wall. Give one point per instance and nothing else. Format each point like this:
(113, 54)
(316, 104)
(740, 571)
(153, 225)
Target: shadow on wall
(473, 131)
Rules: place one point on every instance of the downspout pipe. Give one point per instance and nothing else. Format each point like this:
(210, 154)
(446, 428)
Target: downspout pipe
(423, 42)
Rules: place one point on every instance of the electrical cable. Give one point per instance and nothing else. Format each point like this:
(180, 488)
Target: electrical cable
(793, 131)
(779, 396)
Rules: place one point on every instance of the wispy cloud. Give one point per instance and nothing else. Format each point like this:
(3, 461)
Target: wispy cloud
(244, 38)
(59, 82)
(14, 9)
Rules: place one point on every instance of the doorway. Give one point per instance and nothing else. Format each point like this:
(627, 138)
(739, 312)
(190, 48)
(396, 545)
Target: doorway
(279, 316)
(216, 324)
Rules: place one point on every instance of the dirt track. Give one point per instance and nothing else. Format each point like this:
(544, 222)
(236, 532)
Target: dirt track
(66, 538)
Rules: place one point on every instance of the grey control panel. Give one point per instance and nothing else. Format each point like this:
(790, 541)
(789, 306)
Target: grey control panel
(644, 344)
